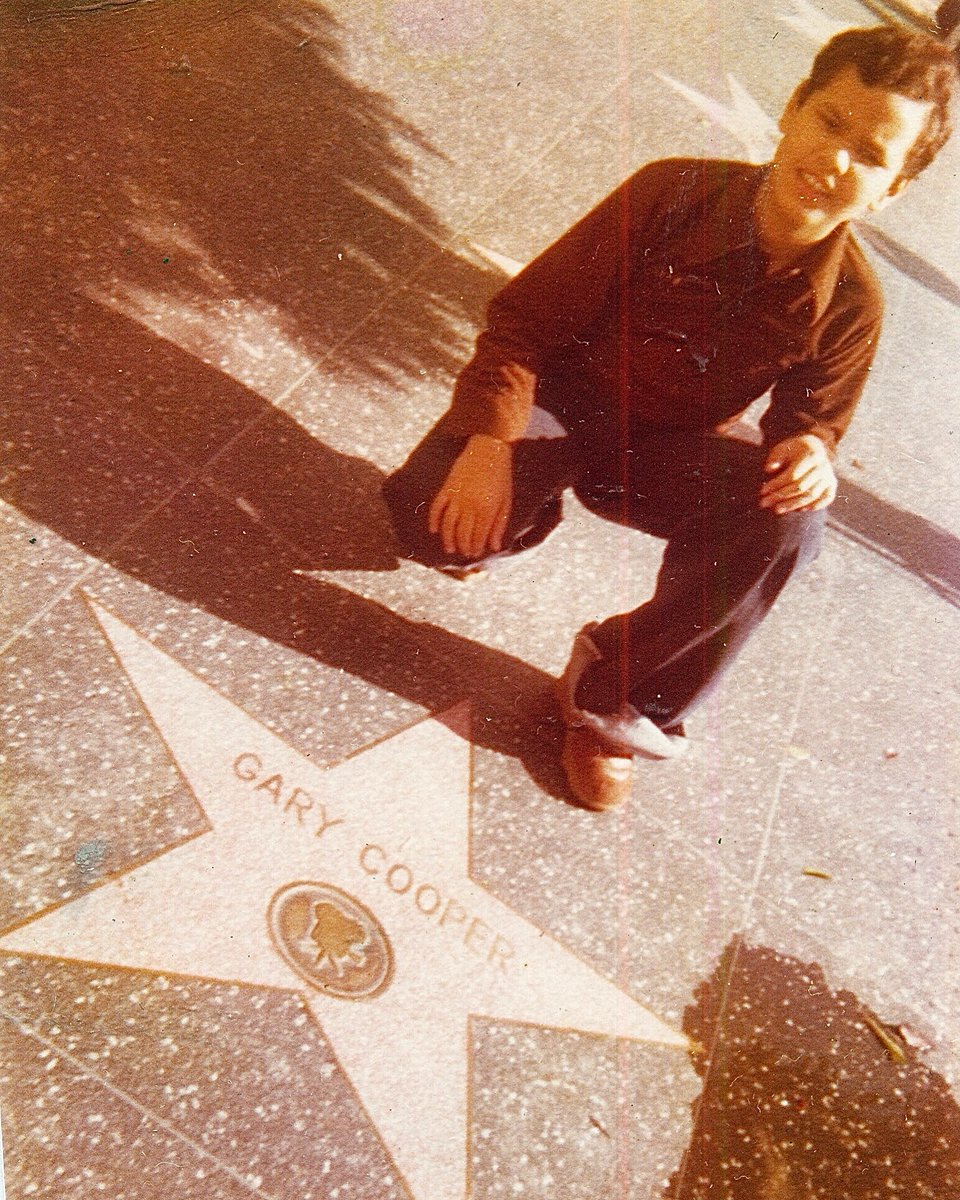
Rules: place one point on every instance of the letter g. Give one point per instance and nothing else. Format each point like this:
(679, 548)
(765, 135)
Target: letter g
(248, 772)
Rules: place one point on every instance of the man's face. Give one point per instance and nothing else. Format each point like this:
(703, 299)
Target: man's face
(841, 154)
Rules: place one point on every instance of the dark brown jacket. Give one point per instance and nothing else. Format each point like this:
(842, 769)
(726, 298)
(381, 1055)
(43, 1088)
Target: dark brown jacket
(658, 308)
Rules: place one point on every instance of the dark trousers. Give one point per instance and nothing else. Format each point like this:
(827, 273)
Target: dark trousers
(725, 562)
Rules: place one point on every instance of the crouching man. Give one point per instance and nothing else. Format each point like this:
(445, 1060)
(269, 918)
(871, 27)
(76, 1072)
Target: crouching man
(641, 335)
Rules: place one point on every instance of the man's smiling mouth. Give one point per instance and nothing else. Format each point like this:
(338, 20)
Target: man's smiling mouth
(813, 186)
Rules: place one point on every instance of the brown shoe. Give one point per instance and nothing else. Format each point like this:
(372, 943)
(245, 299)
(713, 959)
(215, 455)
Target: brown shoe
(598, 777)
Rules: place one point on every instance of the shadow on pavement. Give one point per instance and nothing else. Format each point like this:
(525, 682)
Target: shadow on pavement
(807, 1094)
(217, 158)
(911, 264)
(901, 537)
(230, 537)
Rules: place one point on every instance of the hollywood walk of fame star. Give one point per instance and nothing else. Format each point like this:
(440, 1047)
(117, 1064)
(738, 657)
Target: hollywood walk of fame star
(743, 116)
(811, 22)
(380, 844)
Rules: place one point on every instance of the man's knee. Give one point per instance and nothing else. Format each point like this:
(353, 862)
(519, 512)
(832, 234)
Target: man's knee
(797, 535)
(408, 517)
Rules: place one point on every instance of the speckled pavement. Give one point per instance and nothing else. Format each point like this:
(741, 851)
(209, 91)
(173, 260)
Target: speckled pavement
(294, 903)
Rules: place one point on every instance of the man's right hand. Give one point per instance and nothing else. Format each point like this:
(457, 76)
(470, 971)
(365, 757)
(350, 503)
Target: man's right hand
(471, 510)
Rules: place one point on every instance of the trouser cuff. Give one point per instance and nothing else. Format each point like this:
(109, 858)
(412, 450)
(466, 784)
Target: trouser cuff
(625, 730)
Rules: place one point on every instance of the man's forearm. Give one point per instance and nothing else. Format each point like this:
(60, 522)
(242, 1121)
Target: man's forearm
(471, 510)
(493, 396)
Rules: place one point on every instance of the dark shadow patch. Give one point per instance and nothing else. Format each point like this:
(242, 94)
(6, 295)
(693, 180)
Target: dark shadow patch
(234, 536)
(221, 157)
(910, 542)
(807, 1094)
(901, 537)
(908, 263)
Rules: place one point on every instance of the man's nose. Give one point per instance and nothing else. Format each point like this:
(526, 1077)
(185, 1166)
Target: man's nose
(841, 161)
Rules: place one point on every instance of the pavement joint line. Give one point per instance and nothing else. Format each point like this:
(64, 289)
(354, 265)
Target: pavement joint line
(672, 835)
(193, 476)
(774, 809)
(754, 890)
(711, 1052)
(241, 433)
(465, 231)
(533, 163)
(949, 1012)
(86, 1072)
(94, 567)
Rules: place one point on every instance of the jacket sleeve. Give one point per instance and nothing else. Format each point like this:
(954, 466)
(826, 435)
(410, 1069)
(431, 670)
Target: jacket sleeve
(553, 300)
(819, 395)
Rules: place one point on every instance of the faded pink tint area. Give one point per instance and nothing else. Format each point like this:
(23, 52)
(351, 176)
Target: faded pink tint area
(247, 247)
(431, 30)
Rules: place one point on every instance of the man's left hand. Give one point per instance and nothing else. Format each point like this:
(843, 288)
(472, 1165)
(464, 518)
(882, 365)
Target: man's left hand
(801, 476)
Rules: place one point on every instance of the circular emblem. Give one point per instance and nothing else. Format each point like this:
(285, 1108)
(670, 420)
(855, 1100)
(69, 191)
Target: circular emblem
(331, 940)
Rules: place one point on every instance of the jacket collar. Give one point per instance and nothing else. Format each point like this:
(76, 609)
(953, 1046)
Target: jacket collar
(729, 225)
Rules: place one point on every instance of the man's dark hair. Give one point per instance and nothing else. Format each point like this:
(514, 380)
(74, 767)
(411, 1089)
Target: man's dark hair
(892, 57)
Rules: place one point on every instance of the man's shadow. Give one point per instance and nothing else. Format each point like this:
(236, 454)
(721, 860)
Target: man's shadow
(218, 163)
(898, 536)
(231, 535)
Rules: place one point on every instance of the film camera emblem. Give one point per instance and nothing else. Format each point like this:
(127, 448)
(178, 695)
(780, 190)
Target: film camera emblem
(331, 940)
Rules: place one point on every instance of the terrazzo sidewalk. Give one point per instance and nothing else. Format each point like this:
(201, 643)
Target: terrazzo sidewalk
(294, 903)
